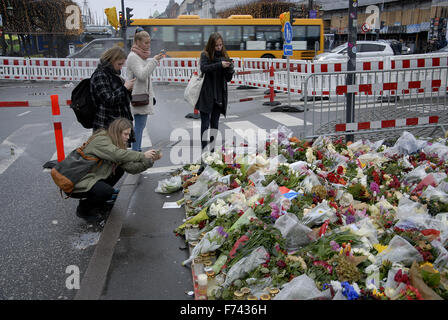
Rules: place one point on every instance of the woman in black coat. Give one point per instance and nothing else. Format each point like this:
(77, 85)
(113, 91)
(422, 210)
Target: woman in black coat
(217, 68)
(110, 92)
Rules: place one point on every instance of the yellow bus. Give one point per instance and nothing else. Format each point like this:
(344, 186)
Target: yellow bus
(244, 36)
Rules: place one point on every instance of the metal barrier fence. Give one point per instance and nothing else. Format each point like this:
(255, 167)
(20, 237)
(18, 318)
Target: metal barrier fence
(385, 100)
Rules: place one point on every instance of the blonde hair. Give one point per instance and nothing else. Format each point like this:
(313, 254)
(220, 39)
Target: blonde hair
(139, 36)
(113, 54)
(115, 130)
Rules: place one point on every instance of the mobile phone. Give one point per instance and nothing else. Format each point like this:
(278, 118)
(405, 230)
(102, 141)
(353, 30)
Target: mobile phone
(163, 51)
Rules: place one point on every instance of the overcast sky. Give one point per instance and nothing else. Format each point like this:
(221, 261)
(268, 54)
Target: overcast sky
(142, 8)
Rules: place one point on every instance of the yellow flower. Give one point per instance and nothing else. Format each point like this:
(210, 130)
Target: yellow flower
(379, 247)
(429, 265)
(377, 293)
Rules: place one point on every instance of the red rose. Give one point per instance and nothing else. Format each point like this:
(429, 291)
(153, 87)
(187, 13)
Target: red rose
(281, 264)
(340, 170)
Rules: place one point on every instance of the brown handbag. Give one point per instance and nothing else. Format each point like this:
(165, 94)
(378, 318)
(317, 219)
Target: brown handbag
(139, 100)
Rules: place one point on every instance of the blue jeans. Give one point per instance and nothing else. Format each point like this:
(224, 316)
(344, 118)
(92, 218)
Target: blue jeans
(139, 126)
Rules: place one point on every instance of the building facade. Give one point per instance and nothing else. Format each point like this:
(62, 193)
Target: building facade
(420, 24)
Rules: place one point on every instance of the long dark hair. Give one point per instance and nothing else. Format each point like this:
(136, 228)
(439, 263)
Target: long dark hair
(210, 47)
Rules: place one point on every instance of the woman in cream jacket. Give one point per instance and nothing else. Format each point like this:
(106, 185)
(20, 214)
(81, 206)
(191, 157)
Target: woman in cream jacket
(140, 66)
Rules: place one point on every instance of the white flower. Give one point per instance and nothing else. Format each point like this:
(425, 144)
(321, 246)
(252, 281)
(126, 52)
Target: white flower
(310, 158)
(262, 161)
(194, 167)
(208, 160)
(390, 292)
(359, 173)
(355, 286)
(330, 147)
(371, 285)
(336, 285)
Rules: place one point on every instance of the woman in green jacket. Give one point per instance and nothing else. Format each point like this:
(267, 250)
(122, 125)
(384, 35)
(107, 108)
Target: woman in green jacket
(96, 189)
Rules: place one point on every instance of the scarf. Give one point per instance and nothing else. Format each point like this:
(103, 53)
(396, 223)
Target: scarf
(140, 52)
(107, 66)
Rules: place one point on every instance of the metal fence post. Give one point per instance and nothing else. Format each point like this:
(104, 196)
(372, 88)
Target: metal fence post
(351, 66)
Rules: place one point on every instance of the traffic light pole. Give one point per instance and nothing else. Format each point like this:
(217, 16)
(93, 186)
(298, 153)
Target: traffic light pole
(351, 66)
(123, 25)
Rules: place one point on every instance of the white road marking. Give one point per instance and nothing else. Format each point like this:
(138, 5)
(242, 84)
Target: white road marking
(23, 113)
(15, 144)
(146, 140)
(285, 119)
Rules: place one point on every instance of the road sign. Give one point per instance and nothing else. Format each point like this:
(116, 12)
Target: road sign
(365, 28)
(288, 32)
(287, 50)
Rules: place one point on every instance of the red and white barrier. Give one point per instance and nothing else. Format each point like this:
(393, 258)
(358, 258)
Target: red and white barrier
(14, 68)
(57, 125)
(250, 72)
(384, 124)
(31, 103)
(393, 87)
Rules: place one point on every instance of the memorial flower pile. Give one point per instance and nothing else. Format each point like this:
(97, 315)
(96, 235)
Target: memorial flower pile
(326, 219)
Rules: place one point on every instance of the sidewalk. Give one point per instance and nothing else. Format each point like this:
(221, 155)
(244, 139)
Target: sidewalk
(145, 262)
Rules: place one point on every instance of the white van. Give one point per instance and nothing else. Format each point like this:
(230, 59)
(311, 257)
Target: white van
(364, 49)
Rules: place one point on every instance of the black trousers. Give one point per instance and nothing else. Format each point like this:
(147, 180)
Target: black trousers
(100, 192)
(209, 121)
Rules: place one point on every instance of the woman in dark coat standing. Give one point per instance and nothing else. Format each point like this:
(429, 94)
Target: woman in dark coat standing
(217, 69)
(110, 92)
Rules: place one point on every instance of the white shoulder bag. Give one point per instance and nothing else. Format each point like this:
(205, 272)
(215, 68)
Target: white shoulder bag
(193, 89)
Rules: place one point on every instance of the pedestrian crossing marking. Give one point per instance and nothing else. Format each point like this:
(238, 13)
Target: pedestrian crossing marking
(15, 144)
(285, 119)
(146, 140)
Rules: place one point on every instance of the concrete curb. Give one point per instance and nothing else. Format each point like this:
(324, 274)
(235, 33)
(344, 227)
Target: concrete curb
(95, 276)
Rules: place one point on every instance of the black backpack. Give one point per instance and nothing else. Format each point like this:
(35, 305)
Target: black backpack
(83, 104)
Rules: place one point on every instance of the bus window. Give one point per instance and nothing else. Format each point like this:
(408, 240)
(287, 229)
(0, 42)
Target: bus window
(189, 38)
(299, 38)
(312, 35)
(249, 38)
(231, 36)
(271, 34)
(208, 30)
(304, 37)
(163, 38)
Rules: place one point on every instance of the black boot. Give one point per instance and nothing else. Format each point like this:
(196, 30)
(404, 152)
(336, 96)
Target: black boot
(84, 211)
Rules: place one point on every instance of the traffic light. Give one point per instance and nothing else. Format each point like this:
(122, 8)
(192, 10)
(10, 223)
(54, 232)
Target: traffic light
(121, 18)
(111, 14)
(284, 17)
(128, 16)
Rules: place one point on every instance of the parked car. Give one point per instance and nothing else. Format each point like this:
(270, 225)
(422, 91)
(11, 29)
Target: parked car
(443, 50)
(365, 49)
(95, 48)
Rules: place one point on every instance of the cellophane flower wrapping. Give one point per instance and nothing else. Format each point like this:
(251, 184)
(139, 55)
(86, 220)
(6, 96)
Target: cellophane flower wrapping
(211, 241)
(169, 185)
(245, 265)
(300, 288)
(296, 234)
(400, 250)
